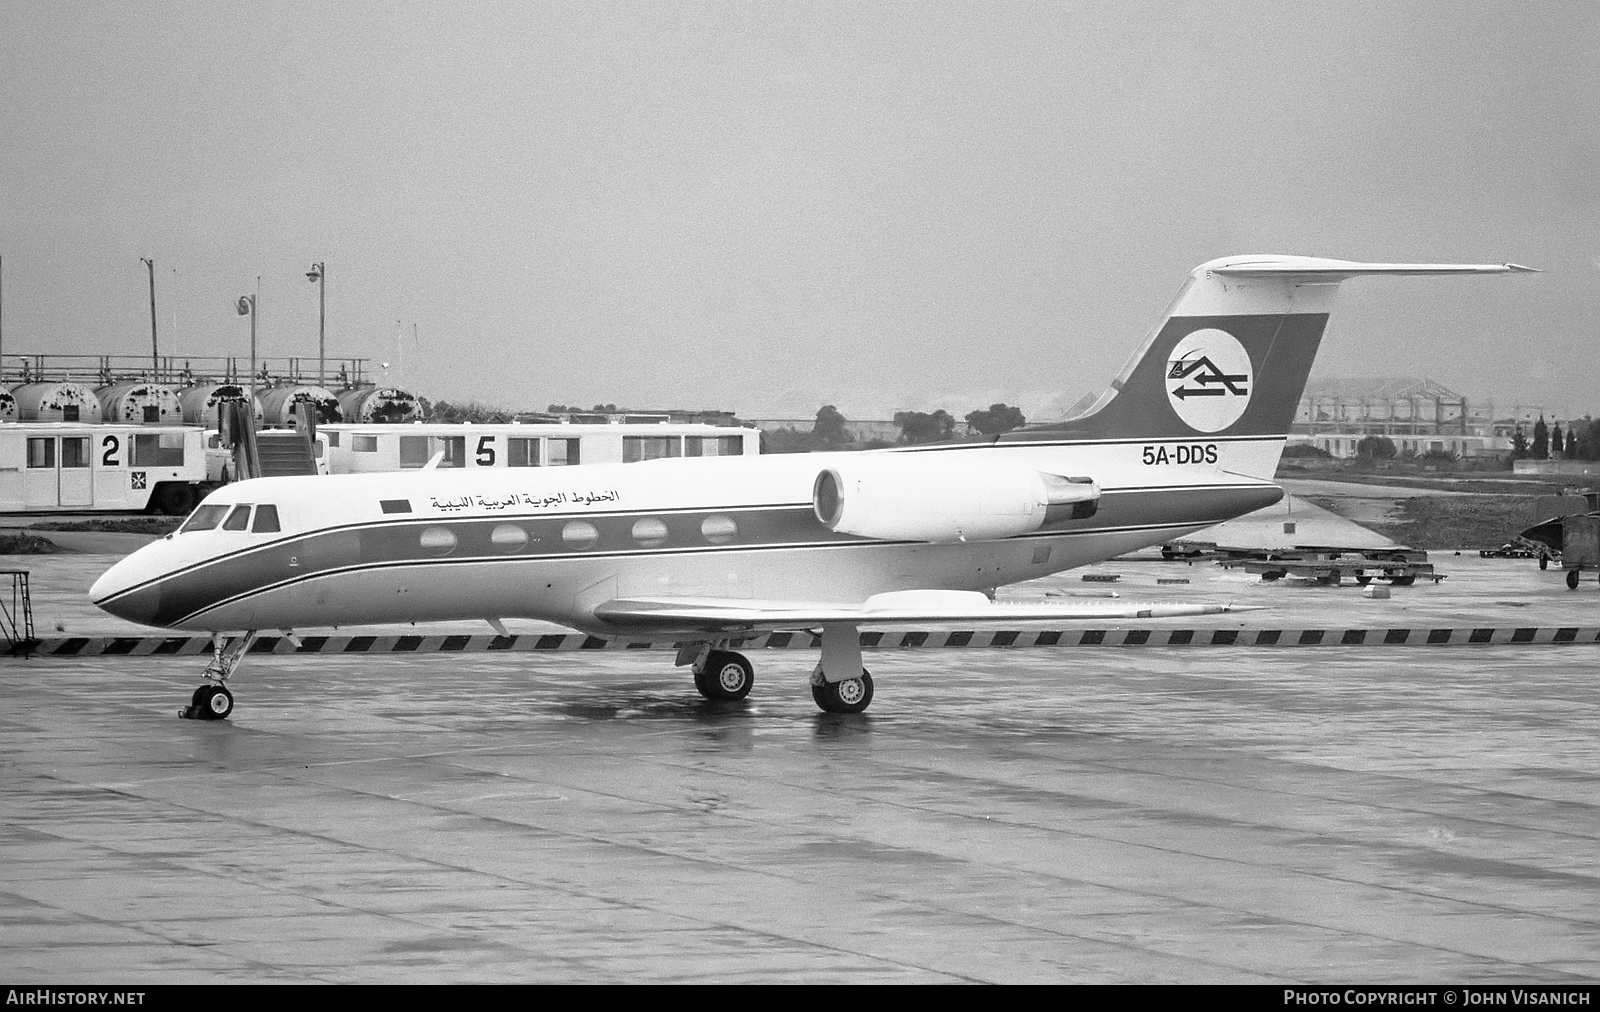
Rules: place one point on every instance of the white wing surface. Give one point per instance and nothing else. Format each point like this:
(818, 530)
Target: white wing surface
(741, 614)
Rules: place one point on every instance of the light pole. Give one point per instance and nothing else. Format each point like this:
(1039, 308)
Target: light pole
(247, 307)
(155, 356)
(319, 274)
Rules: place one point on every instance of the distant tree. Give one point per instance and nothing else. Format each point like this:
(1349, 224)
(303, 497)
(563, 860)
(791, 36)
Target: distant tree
(1570, 451)
(1557, 444)
(922, 427)
(1438, 455)
(789, 440)
(1541, 440)
(1519, 444)
(1588, 438)
(1375, 448)
(604, 407)
(470, 411)
(997, 419)
(829, 426)
(1306, 450)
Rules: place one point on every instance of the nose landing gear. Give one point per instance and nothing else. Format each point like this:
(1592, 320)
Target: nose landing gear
(215, 702)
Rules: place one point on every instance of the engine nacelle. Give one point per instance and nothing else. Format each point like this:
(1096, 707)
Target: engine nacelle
(930, 497)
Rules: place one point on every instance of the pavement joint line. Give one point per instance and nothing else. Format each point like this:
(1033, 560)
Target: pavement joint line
(891, 639)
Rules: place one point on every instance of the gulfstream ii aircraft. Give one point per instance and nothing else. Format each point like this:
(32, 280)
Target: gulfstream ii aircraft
(708, 551)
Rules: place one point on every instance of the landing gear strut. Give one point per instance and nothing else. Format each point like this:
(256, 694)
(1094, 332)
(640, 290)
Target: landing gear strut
(215, 702)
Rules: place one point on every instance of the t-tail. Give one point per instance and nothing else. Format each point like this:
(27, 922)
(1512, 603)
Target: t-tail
(1228, 363)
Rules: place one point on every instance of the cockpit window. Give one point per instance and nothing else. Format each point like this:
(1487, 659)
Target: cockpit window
(204, 518)
(239, 519)
(266, 520)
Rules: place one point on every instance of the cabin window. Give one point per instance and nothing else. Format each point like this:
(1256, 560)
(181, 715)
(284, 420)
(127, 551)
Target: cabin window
(75, 452)
(438, 540)
(719, 529)
(414, 451)
(636, 448)
(42, 452)
(333, 438)
(649, 532)
(713, 446)
(364, 444)
(239, 519)
(164, 449)
(508, 538)
(522, 452)
(561, 451)
(395, 505)
(266, 520)
(204, 518)
(580, 534)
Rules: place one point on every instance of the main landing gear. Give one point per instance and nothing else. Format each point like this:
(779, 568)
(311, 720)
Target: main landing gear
(724, 675)
(849, 696)
(215, 702)
(838, 685)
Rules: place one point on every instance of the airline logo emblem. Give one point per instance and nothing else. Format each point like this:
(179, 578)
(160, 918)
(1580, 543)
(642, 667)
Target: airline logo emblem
(1209, 380)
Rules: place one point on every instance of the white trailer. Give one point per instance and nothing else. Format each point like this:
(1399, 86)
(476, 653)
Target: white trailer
(357, 448)
(66, 467)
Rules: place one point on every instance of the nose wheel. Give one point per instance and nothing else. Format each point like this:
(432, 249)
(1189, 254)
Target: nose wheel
(210, 702)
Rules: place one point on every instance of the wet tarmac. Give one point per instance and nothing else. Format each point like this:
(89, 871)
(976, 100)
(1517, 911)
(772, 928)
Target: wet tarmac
(1160, 815)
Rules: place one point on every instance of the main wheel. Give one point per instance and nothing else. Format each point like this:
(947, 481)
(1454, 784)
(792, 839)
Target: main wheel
(1363, 579)
(1544, 561)
(849, 696)
(726, 675)
(1572, 579)
(1403, 581)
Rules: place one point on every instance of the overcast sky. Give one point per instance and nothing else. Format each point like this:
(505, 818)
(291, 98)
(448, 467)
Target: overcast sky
(765, 206)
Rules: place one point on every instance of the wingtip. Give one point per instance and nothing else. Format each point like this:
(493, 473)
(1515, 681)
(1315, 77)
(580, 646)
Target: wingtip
(1521, 269)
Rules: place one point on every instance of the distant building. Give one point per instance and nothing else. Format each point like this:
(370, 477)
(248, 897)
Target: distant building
(1417, 413)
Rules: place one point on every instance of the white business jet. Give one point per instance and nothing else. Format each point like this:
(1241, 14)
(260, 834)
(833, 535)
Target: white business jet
(710, 551)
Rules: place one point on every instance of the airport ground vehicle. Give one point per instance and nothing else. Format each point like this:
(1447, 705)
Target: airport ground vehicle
(357, 449)
(61, 467)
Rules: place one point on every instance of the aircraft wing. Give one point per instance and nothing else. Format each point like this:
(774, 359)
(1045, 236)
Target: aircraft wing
(742, 614)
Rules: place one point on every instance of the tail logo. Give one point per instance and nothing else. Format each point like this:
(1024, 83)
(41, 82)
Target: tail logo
(1209, 380)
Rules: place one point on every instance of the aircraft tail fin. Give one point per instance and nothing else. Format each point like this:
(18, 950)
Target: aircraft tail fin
(1231, 356)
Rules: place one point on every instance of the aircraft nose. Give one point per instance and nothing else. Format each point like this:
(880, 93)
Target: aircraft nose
(118, 591)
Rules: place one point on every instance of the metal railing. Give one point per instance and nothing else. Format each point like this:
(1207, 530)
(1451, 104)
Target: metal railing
(178, 370)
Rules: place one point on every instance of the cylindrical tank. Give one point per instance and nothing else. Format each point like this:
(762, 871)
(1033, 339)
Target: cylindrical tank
(200, 402)
(135, 403)
(379, 404)
(56, 402)
(282, 404)
(8, 406)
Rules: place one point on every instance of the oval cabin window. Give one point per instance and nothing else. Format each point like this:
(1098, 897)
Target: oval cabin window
(508, 538)
(438, 540)
(649, 532)
(580, 534)
(719, 530)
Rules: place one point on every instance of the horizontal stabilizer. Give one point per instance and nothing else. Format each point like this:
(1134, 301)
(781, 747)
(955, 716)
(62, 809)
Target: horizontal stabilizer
(738, 614)
(1339, 270)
